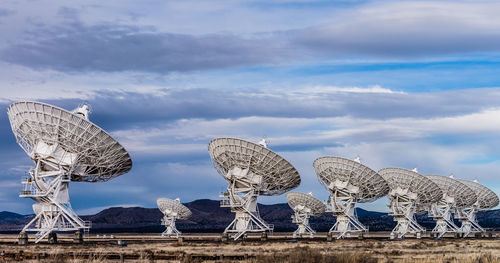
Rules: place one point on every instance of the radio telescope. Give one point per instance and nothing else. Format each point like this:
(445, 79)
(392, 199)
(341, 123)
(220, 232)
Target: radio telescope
(251, 170)
(349, 182)
(486, 199)
(409, 191)
(456, 195)
(172, 210)
(304, 206)
(65, 146)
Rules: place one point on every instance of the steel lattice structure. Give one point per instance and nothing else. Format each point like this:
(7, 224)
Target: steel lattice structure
(349, 182)
(304, 206)
(251, 170)
(456, 195)
(65, 147)
(486, 199)
(409, 191)
(172, 210)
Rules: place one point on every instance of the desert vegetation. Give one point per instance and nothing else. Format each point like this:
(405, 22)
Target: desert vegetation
(152, 249)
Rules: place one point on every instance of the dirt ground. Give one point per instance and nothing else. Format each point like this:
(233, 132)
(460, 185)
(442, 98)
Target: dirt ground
(278, 248)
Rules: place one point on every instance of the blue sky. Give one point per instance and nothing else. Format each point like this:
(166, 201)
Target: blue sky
(399, 83)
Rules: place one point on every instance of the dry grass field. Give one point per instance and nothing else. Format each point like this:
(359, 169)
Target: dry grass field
(209, 248)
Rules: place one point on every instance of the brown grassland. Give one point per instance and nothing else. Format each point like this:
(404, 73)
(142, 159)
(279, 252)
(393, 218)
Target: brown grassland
(151, 248)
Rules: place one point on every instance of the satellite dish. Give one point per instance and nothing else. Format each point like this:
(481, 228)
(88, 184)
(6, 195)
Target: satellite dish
(348, 182)
(456, 195)
(304, 206)
(64, 147)
(172, 210)
(251, 170)
(410, 192)
(486, 199)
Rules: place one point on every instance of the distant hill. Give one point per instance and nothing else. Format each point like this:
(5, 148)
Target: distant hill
(208, 216)
(9, 217)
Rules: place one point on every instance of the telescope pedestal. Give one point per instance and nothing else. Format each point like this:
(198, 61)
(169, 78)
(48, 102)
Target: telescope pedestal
(171, 230)
(343, 202)
(242, 199)
(441, 212)
(52, 209)
(469, 223)
(403, 210)
(302, 220)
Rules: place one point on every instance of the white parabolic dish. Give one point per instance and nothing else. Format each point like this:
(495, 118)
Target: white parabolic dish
(371, 185)
(316, 206)
(277, 174)
(92, 154)
(463, 195)
(169, 205)
(427, 191)
(486, 198)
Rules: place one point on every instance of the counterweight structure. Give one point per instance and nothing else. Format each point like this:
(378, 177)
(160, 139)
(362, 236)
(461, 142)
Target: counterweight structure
(409, 192)
(304, 206)
(64, 147)
(172, 210)
(486, 199)
(349, 182)
(251, 170)
(456, 195)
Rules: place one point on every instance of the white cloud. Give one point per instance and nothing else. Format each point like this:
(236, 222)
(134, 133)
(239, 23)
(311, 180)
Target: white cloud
(23, 83)
(333, 89)
(409, 28)
(285, 131)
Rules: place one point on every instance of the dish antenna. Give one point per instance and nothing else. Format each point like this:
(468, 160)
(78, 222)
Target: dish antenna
(251, 170)
(304, 206)
(486, 199)
(456, 195)
(409, 192)
(65, 147)
(172, 210)
(349, 182)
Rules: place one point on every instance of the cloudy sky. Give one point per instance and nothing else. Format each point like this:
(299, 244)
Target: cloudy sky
(399, 83)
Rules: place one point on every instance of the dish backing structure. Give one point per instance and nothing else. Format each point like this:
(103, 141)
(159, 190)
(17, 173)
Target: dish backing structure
(251, 170)
(349, 182)
(410, 191)
(65, 146)
(456, 195)
(486, 199)
(172, 210)
(304, 206)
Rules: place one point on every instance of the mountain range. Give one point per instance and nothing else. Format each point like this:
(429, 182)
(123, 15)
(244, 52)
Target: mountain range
(208, 216)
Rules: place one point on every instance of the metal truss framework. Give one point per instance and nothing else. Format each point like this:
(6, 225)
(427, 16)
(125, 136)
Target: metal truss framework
(403, 207)
(169, 223)
(64, 147)
(441, 212)
(343, 202)
(242, 199)
(52, 209)
(467, 217)
(301, 218)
